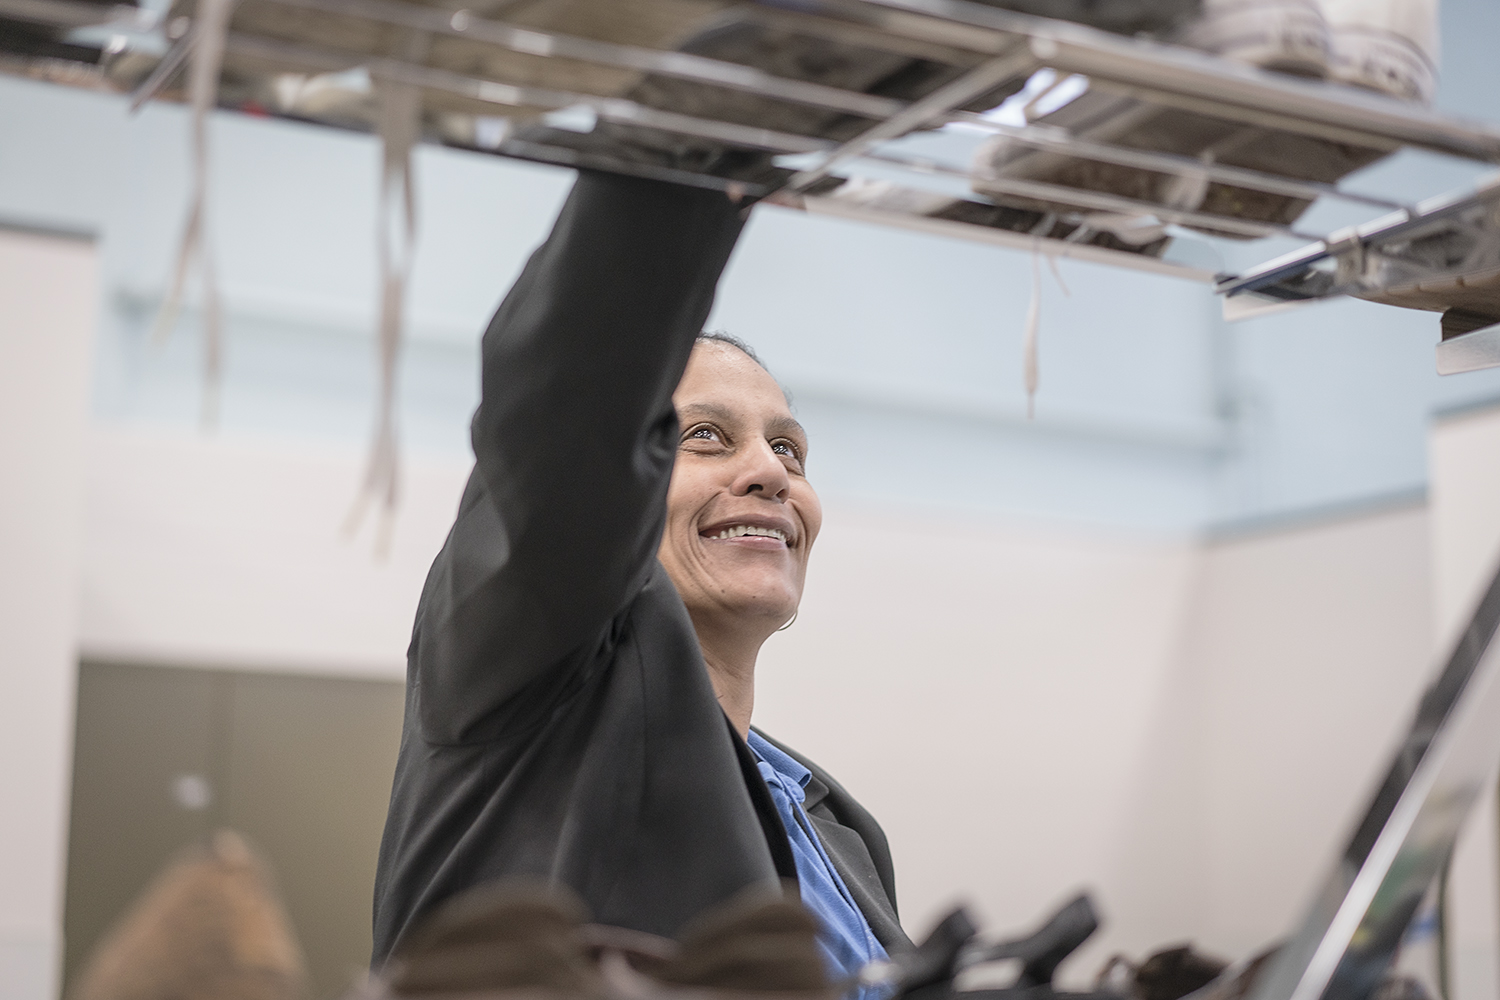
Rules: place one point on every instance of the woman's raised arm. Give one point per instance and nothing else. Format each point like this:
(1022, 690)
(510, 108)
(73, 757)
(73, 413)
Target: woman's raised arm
(574, 441)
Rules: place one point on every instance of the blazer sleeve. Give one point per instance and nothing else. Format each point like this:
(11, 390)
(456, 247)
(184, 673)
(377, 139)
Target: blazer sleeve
(573, 440)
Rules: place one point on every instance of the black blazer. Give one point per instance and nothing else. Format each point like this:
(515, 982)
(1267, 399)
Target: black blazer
(560, 724)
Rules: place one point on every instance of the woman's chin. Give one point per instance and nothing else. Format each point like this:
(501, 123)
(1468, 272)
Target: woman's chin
(761, 603)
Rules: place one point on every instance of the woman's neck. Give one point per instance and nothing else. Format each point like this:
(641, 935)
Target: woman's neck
(735, 689)
(730, 656)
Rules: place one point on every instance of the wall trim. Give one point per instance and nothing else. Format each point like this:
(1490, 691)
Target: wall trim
(36, 227)
(1306, 518)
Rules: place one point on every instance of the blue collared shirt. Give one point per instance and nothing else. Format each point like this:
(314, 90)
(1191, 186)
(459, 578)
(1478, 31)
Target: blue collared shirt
(846, 939)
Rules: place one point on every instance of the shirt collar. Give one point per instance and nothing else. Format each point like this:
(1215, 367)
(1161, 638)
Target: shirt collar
(780, 762)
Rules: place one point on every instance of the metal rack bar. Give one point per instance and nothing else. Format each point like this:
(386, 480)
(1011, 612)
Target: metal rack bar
(846, 32)
(1061, 140)
(534, 151)
(823, 205)
(923, 112)
(509, 95)
(614, 109)
(1388, 229)
(1099, 201)
(546, 44)
(1231, 89)
(917, 26)
(623, 111)
(163, 71)
(74, 14)
(734, 76)
(989, 48)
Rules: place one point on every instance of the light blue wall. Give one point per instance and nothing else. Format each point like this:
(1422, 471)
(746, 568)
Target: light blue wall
(902, 351)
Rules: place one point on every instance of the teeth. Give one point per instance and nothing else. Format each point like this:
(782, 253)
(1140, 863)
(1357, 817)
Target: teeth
(747, 529)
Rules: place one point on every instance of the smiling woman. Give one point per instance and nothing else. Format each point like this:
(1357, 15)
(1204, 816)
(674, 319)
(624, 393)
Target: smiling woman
(741, 514)
(581, 672)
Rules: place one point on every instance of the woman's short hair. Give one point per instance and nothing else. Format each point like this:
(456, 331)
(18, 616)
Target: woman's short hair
(730, 340)
(720, 337)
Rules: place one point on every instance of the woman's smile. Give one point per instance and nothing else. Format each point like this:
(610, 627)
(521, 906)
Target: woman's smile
(756, 533)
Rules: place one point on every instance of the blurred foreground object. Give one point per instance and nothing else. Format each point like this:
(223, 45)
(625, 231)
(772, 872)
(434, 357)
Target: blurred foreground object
(953, 951)
(1362, 912)
(498, 938)
(1390, 46)
(535, 939)
(210, 927)
(1166, 975)
(1441, 255)
(1343, 947)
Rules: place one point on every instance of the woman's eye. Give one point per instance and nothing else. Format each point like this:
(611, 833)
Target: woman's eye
(787, 450)
(702, 434)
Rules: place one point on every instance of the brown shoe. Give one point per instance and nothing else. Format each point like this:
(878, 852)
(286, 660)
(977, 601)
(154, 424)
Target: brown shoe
(495, 939)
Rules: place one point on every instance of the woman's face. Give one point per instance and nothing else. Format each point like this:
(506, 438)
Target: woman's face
(741, 515)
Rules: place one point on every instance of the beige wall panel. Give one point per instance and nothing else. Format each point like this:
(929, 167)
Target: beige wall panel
(47, 304)
(1309, 649)
(223, 552)
(1465, 457)
(141, 734)
(989, 692)
(1186, 729)
(300, 765)
(309, 779)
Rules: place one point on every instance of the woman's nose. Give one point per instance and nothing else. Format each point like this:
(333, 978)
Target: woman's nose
(761, 471)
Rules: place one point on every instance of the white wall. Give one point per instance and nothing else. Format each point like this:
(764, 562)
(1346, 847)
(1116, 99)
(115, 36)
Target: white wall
(1466, 542)
(988, 691)
(985, 689)
(1309, 649)
(47, 318)
(1187, 728)
(229, 552)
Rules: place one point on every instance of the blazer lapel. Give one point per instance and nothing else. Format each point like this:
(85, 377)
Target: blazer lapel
(851, 837)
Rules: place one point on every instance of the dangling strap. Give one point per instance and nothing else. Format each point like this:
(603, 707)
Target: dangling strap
(1029, 364)
(1057, 274)
(400, 121)
(207, 59)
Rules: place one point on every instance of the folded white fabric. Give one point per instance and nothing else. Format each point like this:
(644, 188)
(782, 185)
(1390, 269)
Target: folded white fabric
(1390, 46)
(1290, 36)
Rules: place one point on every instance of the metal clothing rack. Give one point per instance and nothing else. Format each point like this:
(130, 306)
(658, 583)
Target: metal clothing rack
(1442, 255)
(770, 128)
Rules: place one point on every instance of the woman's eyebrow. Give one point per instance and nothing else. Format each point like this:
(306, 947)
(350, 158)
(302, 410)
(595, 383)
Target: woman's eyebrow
(712, 410)
(785, 425)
